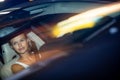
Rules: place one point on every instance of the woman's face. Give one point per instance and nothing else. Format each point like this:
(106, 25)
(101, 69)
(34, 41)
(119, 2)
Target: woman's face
(20, 44)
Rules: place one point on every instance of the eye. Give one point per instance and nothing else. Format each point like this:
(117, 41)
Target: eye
(14, 43)
(22, 40)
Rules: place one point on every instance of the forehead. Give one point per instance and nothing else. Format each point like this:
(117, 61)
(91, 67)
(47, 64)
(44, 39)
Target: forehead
(18, 37)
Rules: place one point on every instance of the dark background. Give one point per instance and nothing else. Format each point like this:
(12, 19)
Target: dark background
(10, 3)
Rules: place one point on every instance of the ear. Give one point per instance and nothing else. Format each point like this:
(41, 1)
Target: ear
(11, 46)
(29, 41)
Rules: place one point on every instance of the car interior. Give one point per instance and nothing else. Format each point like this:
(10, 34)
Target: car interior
(10, 56)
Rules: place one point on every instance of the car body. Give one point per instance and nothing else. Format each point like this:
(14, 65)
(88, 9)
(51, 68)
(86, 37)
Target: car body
(92, 53)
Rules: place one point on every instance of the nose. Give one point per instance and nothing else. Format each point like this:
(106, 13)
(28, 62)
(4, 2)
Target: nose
(19, 44)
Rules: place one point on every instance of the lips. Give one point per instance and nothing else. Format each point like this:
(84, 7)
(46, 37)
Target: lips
(21, 49)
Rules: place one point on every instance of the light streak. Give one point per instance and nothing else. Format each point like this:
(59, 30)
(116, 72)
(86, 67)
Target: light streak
(84, 20)
(2, 0)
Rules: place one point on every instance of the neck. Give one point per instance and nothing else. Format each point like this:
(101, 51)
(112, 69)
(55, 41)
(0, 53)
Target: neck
(25, 55)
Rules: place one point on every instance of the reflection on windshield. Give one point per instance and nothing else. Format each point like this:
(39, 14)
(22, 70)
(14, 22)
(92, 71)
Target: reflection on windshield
(80, 32)
(59, 46)
(84, 20)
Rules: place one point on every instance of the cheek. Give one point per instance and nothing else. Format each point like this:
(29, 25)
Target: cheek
(15, 48)
(25, 44)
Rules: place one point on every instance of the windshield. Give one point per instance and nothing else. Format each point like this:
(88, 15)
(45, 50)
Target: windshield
(48, 22)
(41, 34)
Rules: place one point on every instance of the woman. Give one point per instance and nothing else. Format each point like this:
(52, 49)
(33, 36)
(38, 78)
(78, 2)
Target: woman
(22, 45)
(29, 54)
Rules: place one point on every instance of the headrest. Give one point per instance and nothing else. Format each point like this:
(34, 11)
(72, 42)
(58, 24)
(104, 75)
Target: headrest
(8, 53)
(38, 41)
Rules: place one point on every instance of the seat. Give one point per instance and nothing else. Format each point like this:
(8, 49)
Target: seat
(38, 41)
(1, 64)
(10, 56)
(8, 53)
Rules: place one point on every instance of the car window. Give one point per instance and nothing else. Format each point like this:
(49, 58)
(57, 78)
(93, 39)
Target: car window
(48, 24)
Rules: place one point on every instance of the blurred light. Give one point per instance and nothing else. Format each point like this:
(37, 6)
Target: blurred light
(113, 30)
(31, 0)
(2, 0)
(84, 20)
(4, 13)
(60, 29)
